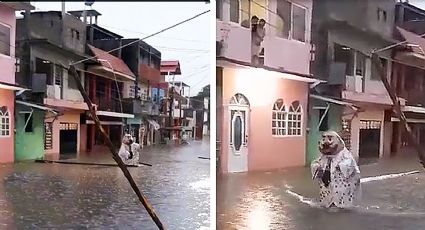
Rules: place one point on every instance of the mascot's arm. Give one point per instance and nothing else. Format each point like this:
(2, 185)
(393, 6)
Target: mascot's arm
(123, 153)
(315, 166)
(347, 167)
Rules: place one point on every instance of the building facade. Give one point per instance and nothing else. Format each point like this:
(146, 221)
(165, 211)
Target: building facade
(48, 43)
(7, 78)
(262, 100)
(343, 43)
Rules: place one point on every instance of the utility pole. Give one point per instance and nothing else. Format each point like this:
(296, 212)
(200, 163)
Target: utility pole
(397, 109)
(171, 106)
(114, 152)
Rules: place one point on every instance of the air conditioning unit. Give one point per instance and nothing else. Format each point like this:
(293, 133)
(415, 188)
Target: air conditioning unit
(39, 83)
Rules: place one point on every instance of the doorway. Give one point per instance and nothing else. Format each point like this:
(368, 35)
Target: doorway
(68, 138)
(370, 139)
(238, 134)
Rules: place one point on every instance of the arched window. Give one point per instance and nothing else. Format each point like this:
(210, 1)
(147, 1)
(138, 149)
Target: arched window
(295, 119)
(4, 122)
(279, 114)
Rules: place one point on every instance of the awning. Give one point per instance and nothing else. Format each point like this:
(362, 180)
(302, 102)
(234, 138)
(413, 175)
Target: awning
(155, 124)
(36, 106)
(9, 86)
(114, 114)
(414, 109)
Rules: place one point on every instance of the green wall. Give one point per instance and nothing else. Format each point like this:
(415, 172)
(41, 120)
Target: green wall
(29, 146)
(314, 135)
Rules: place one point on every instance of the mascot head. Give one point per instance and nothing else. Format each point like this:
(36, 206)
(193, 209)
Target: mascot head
(127, 139)
(331, 143)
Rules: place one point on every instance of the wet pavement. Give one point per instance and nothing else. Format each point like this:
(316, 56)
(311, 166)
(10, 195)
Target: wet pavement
(271, 200)
(60, 196)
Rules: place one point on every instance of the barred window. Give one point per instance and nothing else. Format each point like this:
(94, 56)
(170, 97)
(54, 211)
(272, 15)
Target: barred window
(279, 127)
(295, 119)
(4, 122)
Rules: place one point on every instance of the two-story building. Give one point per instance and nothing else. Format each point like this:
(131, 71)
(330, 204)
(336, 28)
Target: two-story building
(262, 106)
(7, 77)
(354, 99)
(47, 43)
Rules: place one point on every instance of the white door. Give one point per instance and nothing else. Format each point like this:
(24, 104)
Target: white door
(238, 134)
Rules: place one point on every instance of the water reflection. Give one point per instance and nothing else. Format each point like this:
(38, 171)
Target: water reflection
(57, 196)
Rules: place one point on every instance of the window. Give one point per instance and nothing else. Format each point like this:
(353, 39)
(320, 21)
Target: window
(77, 35)
(360, 64)
(299, 27)
(58, 75)
(44, 67)
(324, 125)
(239, 11)
(344, 54)
(4, 39)
(291, 20)
(286, 123)
(48, 135)
(294, 119)
(382, 15)
(279, 127)
(18, 65)
(4, 122)
(219, 7)
(28, 122)
(234, 11)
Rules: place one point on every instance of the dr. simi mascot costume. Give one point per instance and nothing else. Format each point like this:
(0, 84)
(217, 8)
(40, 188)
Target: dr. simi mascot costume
(337, 173)
(129, 151)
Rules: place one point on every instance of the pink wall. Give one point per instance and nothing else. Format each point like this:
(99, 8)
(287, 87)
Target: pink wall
(7, 145)
(7, 64)
(66, 118)
(262, 90)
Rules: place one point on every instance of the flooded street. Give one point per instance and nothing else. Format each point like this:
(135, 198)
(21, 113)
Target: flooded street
(60, 196)
(286, 200)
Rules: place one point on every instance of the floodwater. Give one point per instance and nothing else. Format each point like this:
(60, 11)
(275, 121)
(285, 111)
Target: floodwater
(61, 196)
(285, 199)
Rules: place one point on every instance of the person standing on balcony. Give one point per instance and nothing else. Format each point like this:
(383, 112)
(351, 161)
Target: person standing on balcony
(258, 34)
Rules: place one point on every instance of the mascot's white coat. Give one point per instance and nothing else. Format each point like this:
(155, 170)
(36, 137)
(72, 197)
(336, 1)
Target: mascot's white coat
(129, 151)
(337, 172)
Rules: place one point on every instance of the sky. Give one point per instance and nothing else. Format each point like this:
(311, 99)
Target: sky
(189, 43)
(418, 3)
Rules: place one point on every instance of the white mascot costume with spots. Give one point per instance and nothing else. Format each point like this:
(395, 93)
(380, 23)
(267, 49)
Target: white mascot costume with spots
(129, 151)
(337, 172)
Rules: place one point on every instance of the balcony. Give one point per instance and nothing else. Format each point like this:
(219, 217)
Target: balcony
(234, 40)
(279, 53)
(137, 106)
(110, 105)
(354, 87)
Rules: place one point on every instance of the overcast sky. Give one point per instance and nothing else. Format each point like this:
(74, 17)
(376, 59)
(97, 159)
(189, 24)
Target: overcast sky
(189, 43)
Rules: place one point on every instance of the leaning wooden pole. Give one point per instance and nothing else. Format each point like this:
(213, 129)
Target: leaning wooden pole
(397, 109)
(114, 152)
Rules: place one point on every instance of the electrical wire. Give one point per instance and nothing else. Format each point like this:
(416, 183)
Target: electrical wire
(138, 40)
(138, 32)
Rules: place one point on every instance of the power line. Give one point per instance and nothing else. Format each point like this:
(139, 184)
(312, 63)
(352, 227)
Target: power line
(138, 32)
(161, 31)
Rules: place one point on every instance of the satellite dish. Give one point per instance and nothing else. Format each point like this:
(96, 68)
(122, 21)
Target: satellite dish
(88, 3)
